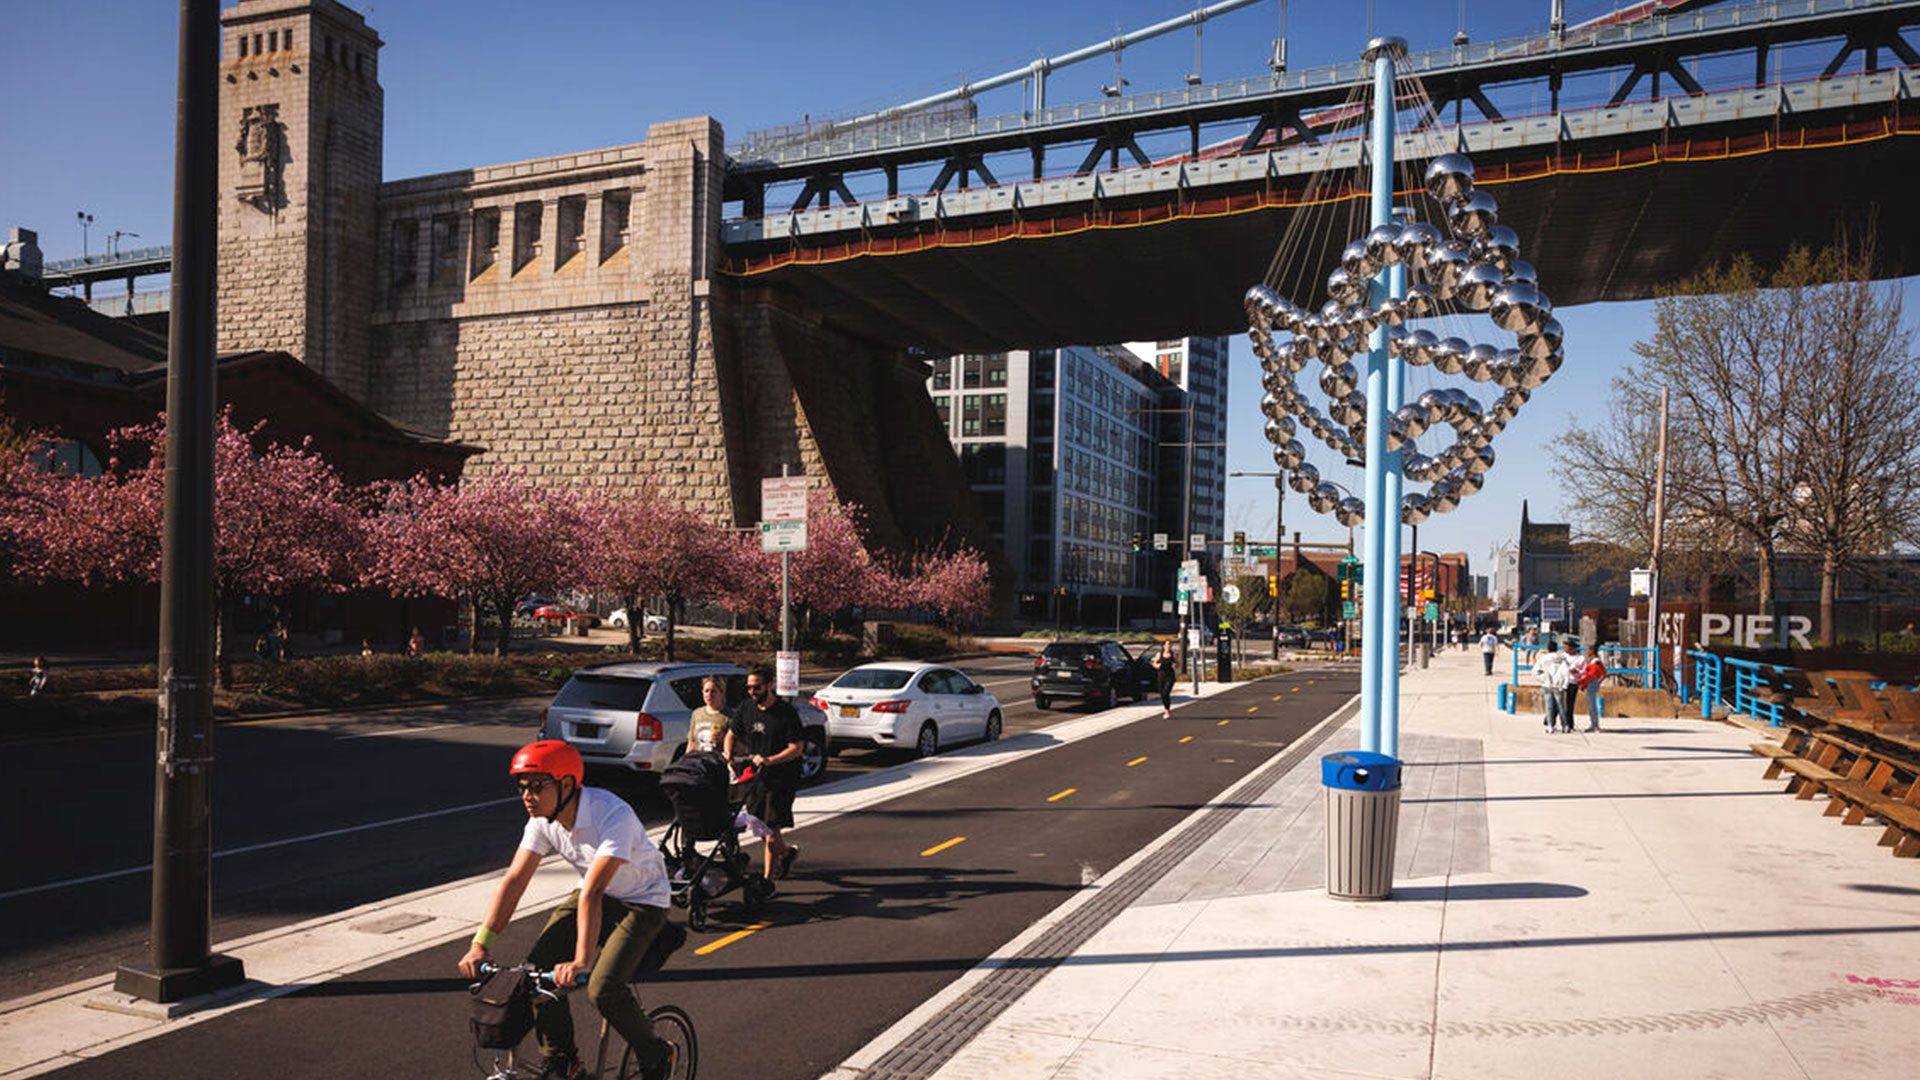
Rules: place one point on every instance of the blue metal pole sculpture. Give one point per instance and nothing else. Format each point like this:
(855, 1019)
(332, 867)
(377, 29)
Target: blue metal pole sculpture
(1379, 667)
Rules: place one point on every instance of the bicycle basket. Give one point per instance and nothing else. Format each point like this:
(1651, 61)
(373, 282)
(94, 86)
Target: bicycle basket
(503, 1009)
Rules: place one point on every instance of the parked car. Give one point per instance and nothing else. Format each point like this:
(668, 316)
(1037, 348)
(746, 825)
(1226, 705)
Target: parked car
(632, 716)
(1293, 637)
(653, 624)
(924, 706)
(1097, 672)
(564, 613)
(526, 607)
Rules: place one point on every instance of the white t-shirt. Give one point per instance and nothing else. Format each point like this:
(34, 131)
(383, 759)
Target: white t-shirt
(605, 825)
(1489, 643)
(1553, 670)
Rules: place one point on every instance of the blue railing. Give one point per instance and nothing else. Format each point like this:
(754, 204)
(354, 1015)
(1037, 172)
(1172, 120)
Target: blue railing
(1744, 686)
(1615, 657)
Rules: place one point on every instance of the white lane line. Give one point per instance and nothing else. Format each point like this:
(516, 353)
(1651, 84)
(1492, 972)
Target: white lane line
(131, 870)
(396, 731)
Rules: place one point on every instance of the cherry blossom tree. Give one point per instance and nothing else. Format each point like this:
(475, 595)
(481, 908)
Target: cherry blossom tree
(283, 520)
(835, 573)
(954, 585)
(649, 546)
(490, 541)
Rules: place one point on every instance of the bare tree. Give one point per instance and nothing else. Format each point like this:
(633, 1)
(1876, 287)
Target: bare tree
(1855, 423)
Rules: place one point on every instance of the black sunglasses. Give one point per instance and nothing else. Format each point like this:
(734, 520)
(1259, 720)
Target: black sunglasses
(534, 784)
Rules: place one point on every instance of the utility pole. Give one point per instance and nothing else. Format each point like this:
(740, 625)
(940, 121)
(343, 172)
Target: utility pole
(1659, 519)
(180, 963)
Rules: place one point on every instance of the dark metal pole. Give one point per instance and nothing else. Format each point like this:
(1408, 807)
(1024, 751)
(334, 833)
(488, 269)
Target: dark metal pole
(181, 962)
(1279, 536)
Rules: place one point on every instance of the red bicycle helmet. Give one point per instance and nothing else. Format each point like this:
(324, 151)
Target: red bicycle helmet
(551, 757)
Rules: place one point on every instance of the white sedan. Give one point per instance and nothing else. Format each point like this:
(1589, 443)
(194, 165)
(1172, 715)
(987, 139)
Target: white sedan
(924, 706)
(654, 624)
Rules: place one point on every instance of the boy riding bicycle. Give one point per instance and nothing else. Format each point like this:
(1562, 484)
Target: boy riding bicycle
(603, 929)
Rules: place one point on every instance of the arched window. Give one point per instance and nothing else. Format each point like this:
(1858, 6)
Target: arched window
(68, 456)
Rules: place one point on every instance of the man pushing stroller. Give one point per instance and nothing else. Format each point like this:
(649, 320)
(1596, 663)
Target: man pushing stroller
(767, 732)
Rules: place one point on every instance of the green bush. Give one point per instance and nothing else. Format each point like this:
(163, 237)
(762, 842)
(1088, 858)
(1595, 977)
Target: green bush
(914, 642)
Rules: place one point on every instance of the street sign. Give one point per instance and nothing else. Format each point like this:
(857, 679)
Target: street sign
(1183, 605)
(1231, 593)
(783, 535)
(1553, 609)
(1642, 586)
(1166, 607)
(1349, 610)
(1159, 541)
(786, 674)
(1197, 542)
(783, 498)
(1433, 612)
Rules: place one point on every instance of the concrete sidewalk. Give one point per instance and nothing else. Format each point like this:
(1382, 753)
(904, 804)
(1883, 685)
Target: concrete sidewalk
(1637, 902)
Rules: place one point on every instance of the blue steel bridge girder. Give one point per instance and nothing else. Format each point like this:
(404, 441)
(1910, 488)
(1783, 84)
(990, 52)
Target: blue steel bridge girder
(1869, 28)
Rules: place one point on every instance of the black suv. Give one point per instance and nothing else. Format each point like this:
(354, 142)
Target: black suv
(1099, 672)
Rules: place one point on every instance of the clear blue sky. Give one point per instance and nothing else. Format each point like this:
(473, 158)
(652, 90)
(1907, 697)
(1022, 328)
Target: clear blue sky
(89, 126)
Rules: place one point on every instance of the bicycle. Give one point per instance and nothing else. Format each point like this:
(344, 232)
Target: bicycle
(670, 1024)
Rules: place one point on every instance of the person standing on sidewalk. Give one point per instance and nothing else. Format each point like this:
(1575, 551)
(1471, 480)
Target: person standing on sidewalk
(37, 681)
(767, 731)
(1576, 662)
(707, 727)
(1489, 647)
(1165, 674)
(1554, 676)
(1589, 679)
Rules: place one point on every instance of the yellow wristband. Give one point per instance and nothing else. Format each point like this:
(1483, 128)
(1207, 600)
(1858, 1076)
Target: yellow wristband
(484, 937)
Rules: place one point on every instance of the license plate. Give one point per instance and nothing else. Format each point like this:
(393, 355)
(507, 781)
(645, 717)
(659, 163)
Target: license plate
(849, 710)
(588, 731)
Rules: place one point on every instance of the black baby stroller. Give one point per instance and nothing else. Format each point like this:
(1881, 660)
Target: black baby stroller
(704, 807)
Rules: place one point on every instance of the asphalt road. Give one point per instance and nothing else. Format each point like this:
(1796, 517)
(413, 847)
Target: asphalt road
(311, 816)
(887, 905)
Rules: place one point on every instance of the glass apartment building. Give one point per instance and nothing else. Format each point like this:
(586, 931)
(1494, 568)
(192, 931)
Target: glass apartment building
(1066, 451)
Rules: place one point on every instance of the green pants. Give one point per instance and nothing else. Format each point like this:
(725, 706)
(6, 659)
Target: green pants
(625, 932)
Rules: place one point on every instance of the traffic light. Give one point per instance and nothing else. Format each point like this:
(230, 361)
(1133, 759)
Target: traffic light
(1138, 541)
(1239, 543)
(1346, 590)
(1273, 584)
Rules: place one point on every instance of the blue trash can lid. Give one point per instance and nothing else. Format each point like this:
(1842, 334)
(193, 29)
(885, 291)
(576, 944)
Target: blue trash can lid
(1360, 770)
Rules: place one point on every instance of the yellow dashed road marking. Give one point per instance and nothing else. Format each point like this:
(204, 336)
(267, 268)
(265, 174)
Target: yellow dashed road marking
(1296, 689)
(1058, 795)
(1135, 761)
(938, 848)
(1276, 697)
(1186, 738)
(1223, 723)
(716, 946)
(1253, 708)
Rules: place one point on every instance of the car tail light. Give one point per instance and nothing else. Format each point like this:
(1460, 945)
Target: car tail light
(647, 728)
(821, 703)
(1090, 662)
(1039, 661)
(543, 723)
(890, 707)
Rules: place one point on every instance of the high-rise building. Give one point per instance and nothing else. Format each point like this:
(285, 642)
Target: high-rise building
(1063, 451)
(1197, 367)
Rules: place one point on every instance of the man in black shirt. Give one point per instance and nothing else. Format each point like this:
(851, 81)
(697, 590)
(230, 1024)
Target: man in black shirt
(767, 731)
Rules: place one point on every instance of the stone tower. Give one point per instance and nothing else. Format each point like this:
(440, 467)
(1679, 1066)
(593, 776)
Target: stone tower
(300, 162)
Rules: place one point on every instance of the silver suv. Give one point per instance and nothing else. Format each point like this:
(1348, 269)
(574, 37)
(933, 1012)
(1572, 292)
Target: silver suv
(634, 715)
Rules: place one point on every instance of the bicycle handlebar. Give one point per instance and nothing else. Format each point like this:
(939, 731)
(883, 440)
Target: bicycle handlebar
(542, 980)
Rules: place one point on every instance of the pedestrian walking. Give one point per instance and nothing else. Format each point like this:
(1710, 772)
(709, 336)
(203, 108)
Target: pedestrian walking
(767, 731)
(707, 727)
(1165, 674)
(1489, 646)
(1576, 662)
(37, 679)
(416, 643)
(1553, 675)
(1589, 679)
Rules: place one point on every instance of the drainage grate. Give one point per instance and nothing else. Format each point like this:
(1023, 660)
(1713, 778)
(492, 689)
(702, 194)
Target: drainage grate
(930, 1046)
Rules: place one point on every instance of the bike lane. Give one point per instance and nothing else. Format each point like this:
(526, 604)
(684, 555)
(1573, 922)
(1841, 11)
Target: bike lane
(888, 905)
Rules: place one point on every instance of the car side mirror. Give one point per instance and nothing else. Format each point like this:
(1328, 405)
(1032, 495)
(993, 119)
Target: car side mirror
(976, 688)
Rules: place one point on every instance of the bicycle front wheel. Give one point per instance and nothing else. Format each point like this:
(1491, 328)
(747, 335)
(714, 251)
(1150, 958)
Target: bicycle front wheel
(672, 1026)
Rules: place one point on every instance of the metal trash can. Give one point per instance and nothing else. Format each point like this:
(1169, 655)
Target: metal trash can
(1363, 821)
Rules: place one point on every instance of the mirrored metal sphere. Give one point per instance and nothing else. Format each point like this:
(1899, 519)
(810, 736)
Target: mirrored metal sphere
(1391, 312)
(1337, 351)
(1435, 404)
(1472, 216)
(1339, 381)
(1397, 434)
(1522, 270)
(1444, 497)
(1349, 411)
(1547, 339)
(1412, 466)
(1289, 454)
(1521, 308)
(1304, 478)
(1446, 265)
(1481, 461)
(1419, 347)
(1356, 262)
(1279, 426)
(1350, 511)
(1383, 245)
(1416, 242)
(1360, 322)
(1397, 340)
(1413, 508)
(1450, 359)
(1500, 246)
(1506, 376)
(1478, 286)
(1341, 287)
(1450, 177)
(1324, 498)
(1262, 304)
(1420, 302)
